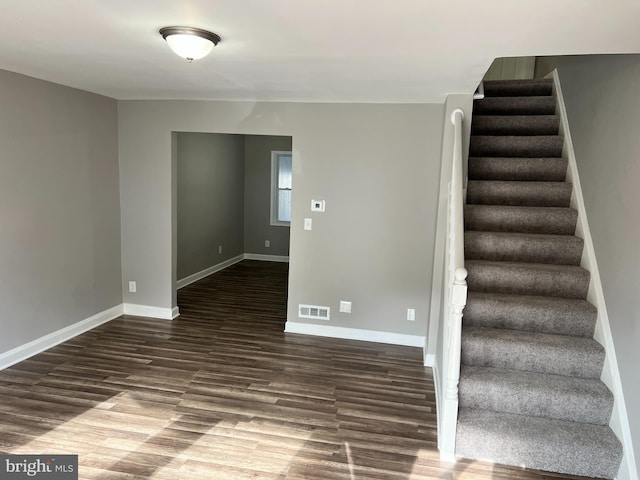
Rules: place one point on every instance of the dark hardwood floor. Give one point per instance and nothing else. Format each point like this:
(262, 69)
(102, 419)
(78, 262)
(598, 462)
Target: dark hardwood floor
(223, 393)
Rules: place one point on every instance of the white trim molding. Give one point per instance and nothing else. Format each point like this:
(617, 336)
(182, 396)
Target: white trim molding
(50, 340)
(150, 311)
(183, 282)
(266, 258)
(429, 360)
(275, 188)
(355, 334)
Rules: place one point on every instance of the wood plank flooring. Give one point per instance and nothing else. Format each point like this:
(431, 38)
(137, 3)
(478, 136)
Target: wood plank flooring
(223, 393)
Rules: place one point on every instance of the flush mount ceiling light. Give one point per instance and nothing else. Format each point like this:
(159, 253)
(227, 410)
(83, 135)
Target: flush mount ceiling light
(190, 43)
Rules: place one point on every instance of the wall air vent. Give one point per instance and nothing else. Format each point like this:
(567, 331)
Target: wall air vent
(313, 311)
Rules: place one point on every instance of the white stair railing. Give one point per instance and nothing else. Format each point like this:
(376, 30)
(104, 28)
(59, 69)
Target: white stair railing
(455, 291)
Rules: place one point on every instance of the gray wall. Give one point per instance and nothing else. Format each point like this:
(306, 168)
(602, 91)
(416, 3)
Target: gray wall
(257, 198)
(59, 207)
(376, 166)
(210, 200)
(603, 106)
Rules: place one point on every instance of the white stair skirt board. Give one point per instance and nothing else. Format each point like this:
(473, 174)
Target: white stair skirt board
(50, 340)
(266, 258)
(151, 312)
(355, 334)
(183, 282)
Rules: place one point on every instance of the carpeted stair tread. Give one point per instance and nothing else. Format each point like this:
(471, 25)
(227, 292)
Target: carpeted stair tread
(523, 247)
(532, 352)
(539, 443)
(584, 400)
(562, 316)
(515, 125)
(517, 278)
(518, 169)
(515, 146)
(513, 88)
(516, 105)
(519, 194)
(504, 218)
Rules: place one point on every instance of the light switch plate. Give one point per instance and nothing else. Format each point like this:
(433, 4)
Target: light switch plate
(307, 224)
(345, 307)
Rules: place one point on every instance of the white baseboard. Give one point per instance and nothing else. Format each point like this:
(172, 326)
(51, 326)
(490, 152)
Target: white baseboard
(266, 258)
(429, 360)
(41, 344)
(149, 311)
(183, 282)
(355, 334)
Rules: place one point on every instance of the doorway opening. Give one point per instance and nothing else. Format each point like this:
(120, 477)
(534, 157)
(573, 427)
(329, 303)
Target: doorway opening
(223, 185)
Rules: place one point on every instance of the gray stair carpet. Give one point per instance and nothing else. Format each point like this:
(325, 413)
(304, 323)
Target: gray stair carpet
(515, 146)
(527, 194)
(531, 313)
(523, 247)
(506, 168)
(530, 392)
(507, 218)
(515, 125)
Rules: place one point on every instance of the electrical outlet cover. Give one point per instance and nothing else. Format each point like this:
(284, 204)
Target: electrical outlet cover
(317, 205)
(345, 307)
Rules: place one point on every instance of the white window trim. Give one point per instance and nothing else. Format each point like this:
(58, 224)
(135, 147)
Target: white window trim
(274, 188)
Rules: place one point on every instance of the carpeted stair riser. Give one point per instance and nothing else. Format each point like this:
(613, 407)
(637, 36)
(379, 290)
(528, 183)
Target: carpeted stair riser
(523, 247)
(532, 352)
(515, 146)
(523, 105)
(514, 88)
(560, 316)
(565, 281)
(518, 169)
(515, 125)
(523, 194)
(504, 218)
(539, 394)
(572, 448)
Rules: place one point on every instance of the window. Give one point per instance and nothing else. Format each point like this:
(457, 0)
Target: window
(280, 188)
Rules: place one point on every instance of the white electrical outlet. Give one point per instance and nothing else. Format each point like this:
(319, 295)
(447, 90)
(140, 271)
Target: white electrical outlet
(411, 314)
(317, 205)
(345, 307)
(267, 243)
(219, 248)
(132, 287)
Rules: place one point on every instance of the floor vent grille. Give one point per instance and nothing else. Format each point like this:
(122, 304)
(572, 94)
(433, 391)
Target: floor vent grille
(313, 311)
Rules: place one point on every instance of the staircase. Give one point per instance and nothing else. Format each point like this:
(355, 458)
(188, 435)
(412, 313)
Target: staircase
(530, 392)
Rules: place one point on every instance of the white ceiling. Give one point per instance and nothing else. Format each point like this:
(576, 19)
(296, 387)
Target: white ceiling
(301, 50)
